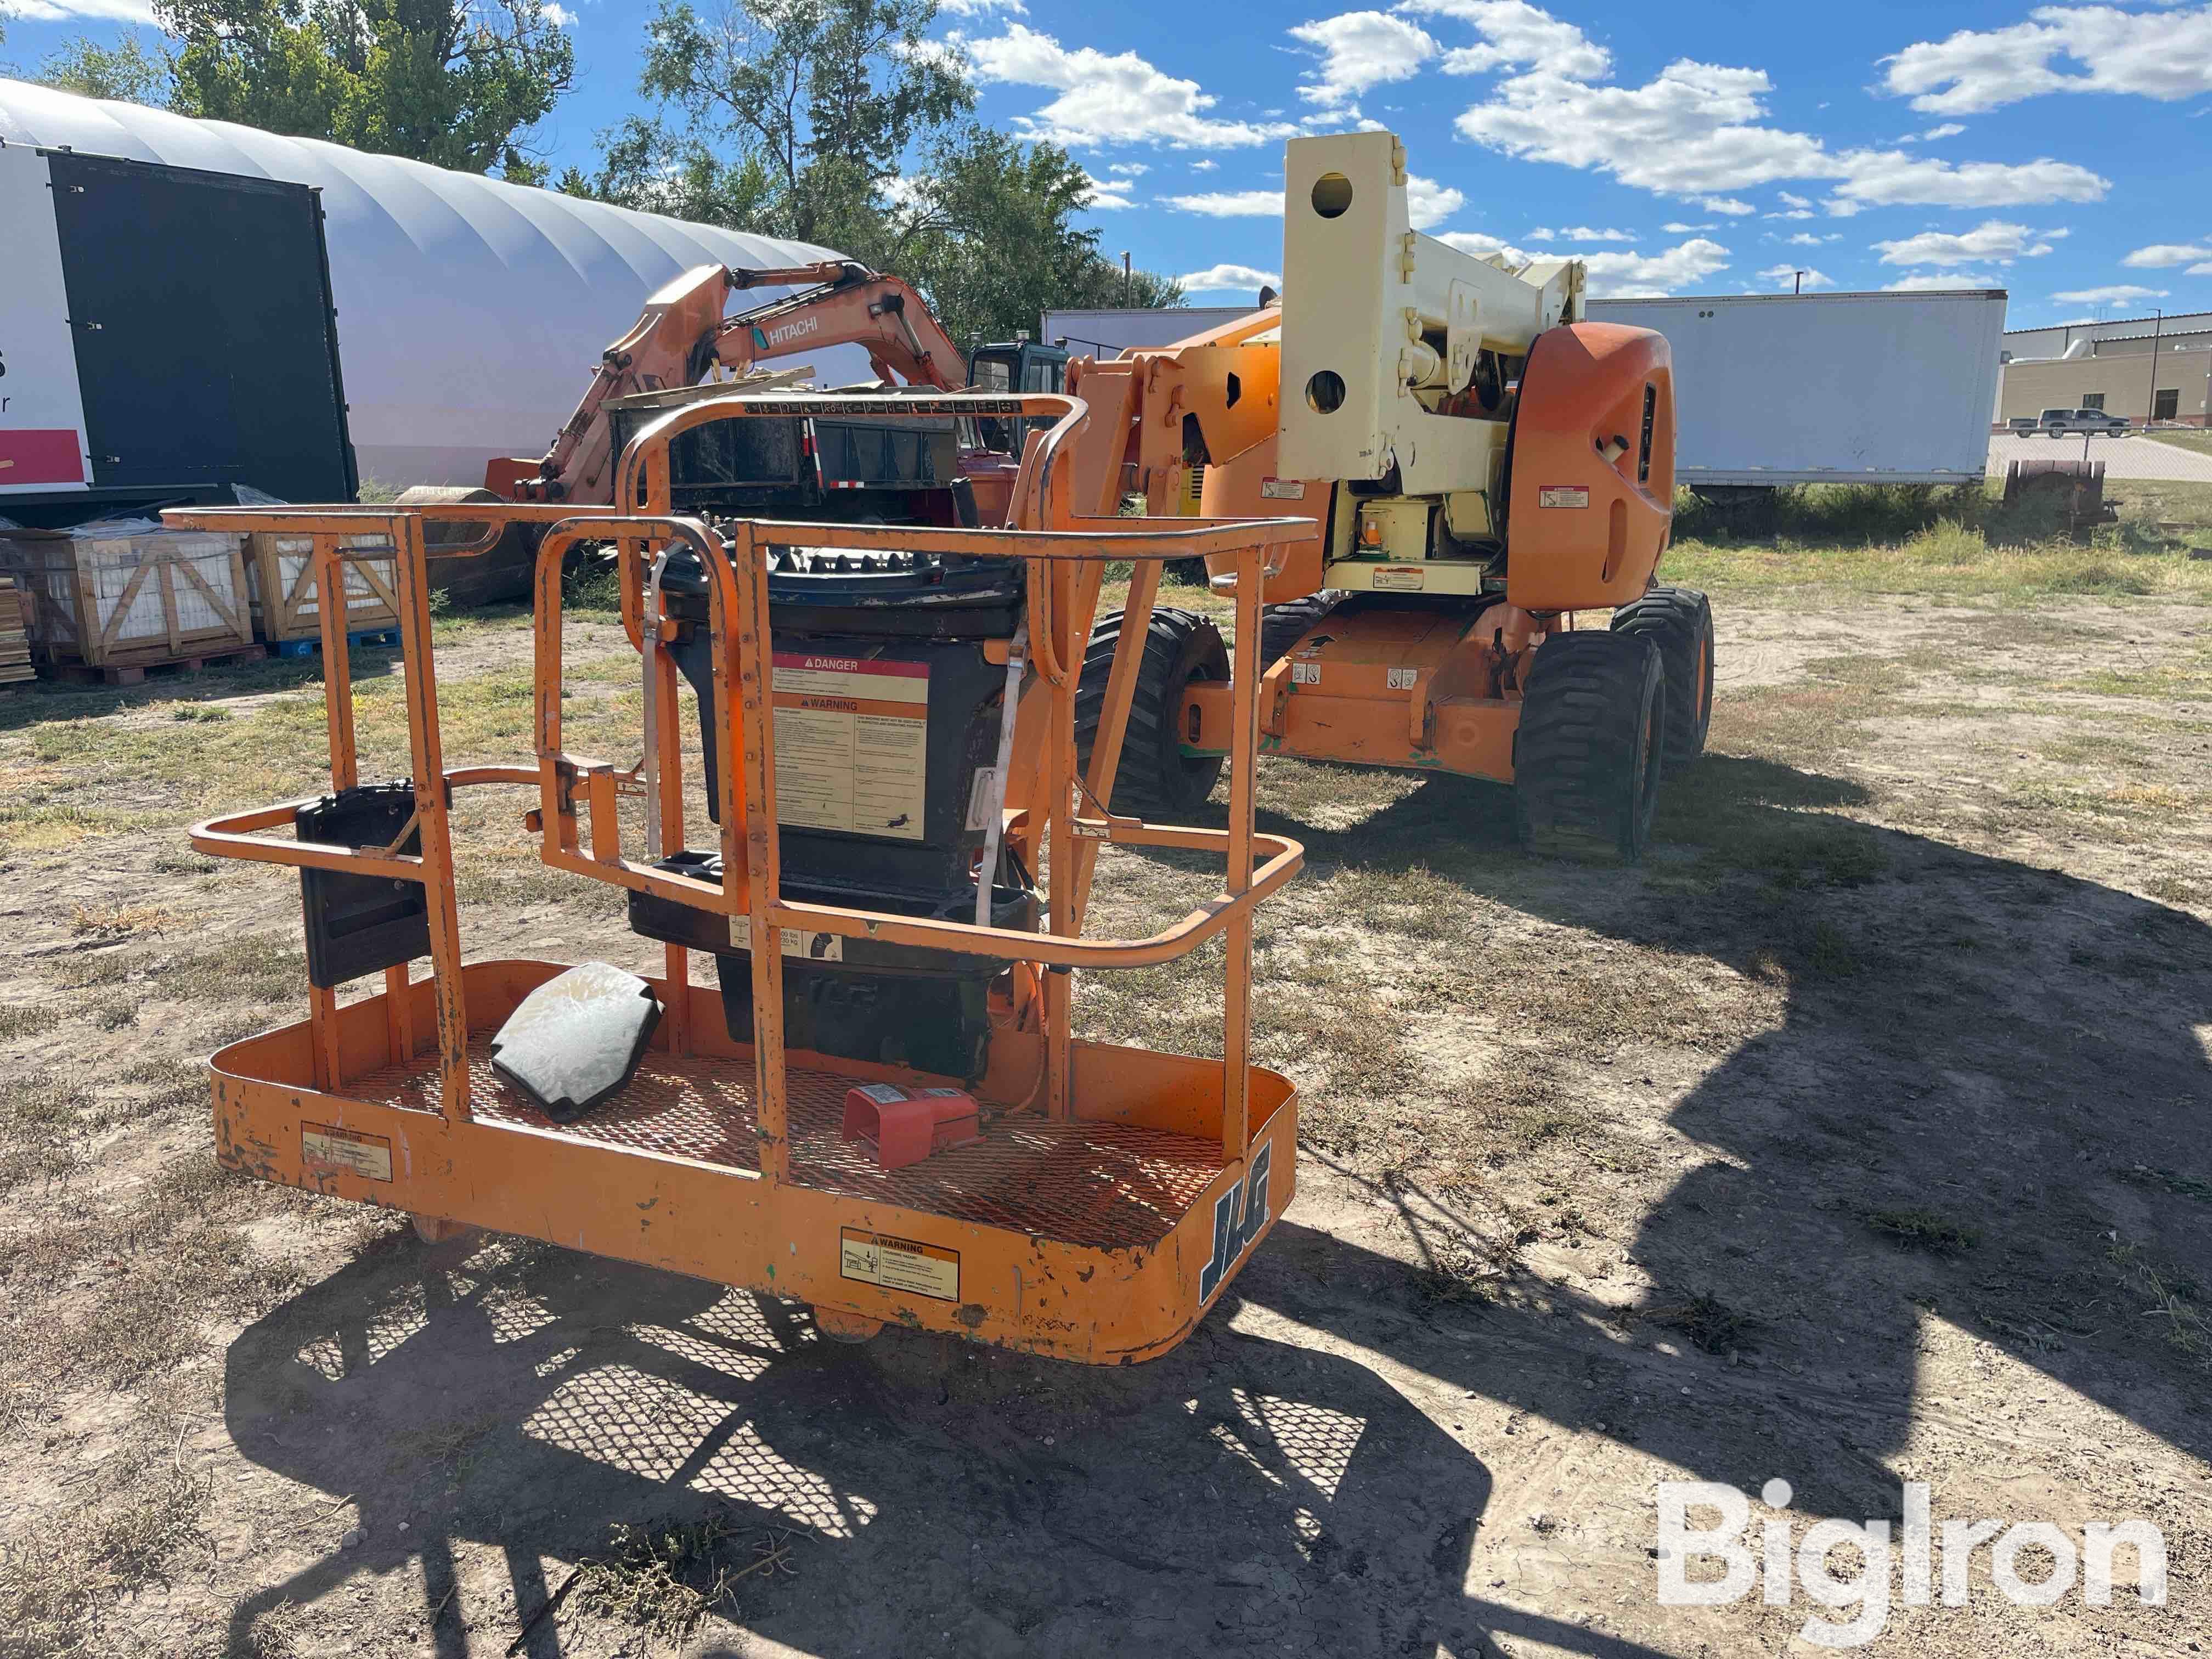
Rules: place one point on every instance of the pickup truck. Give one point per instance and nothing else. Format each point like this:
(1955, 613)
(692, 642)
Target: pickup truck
(2067, 422)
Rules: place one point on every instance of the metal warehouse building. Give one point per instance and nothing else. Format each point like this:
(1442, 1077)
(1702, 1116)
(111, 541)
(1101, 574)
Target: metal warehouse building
(470, 313)
(2156, 368)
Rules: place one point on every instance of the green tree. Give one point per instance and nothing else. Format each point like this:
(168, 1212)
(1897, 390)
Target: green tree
(987, 229)
(127, 71)
(839, 123)
(456, 82)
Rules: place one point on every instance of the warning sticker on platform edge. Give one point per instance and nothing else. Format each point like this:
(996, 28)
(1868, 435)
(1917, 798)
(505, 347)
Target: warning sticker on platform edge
(899, 1264)
(1398, 577)
(1563, 495)
(1282, 489)
(326, 1149)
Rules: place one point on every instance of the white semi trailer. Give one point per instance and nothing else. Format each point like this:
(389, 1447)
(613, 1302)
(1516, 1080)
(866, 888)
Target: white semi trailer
(1769, 388)
(1828, 388)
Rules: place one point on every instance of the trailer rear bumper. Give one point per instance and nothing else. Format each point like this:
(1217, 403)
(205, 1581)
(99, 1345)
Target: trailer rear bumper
(1102, 1239)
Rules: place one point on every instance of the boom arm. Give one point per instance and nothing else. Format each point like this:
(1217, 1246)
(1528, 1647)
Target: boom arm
(682, 335)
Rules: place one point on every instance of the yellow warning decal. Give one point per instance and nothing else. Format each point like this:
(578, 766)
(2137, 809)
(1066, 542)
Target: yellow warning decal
(327, 1150)
(1400, 578)
(899, 1264)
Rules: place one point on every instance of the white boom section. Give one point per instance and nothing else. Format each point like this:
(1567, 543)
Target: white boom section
(1381, 323)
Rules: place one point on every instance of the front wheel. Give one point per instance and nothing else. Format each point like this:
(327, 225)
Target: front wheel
(1587, 757)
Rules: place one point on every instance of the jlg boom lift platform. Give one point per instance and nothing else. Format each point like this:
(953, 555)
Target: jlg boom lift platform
(895, 889)
(908, 732)
(1483, 464)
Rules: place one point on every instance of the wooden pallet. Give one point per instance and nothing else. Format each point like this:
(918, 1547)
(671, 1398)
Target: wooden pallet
(134, 673)
(313, 647)
(15, 634)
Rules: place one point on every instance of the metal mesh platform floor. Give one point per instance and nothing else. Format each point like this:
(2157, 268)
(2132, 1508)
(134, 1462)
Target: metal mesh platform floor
(1110, 1186)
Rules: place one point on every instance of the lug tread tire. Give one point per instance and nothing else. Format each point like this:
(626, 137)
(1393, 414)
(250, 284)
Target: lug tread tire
(1578, 790)
(1155, 780)
(1282, 626)
(1680, 622)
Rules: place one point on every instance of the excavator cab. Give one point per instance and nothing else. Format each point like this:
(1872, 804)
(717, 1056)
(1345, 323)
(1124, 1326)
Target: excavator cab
(1017, 366)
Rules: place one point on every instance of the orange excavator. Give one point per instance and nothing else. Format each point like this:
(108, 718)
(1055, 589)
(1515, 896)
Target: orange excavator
(682, 338)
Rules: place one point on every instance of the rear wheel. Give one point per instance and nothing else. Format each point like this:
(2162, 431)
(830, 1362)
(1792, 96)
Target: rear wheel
(1155, 780)
(1680, 622)
(1587, 757)
(1282, 626)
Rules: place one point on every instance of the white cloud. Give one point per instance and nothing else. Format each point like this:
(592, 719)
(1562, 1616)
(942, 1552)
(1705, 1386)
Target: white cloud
(1786, 276)
(1631, 275)
(1116, 99)
(2119, 293)
(1207, 165)
(1806, 239)
(1788, 200)
(1794, 213)
(981, 8)
(1941, 279)
(1948, 129)
(1675, 228)
(1109, 195)
(1232, 204)
(1361, 50)
(1698, 129)
(2205, 270)
(1727, 205)
(1516, 34)
(1993, 239)
(1584, 234)
(1892, 178)
(1217, 279)
(1428, 202)
(2162, 55)
(2161, 254)
(1129, 169)
(1474, 242)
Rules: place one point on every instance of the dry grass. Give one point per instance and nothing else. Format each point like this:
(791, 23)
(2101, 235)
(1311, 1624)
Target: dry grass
(126, 920)
(1921, 1229)
(665, 1577)
(2174, 1301)
(60, 1584)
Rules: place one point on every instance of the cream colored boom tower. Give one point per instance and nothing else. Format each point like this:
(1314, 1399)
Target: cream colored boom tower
(1483, 464)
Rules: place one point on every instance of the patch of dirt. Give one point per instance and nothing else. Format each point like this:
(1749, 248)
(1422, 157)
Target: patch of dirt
(1855, 1139)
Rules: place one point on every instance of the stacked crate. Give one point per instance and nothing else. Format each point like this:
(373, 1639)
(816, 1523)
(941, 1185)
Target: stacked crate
(15, 633)
(281, 584)
(117, 598)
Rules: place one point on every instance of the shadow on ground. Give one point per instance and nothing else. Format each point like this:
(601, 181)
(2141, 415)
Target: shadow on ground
(1988, 1043)
(1241, 1494)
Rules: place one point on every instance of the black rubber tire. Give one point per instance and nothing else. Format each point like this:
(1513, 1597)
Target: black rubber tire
(1282, 626)
(1680, 622)
(1587, 757)
(1155, 779)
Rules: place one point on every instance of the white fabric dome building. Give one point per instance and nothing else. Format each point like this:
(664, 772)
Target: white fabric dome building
(472, 313)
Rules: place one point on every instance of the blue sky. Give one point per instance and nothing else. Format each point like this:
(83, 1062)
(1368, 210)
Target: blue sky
(2061, 152)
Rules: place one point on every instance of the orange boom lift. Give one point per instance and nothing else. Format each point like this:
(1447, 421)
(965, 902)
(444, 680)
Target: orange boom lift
(1102, 1197)
(1481, 464)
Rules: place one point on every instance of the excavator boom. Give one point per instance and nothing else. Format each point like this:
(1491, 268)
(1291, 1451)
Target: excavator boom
(682, 336)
